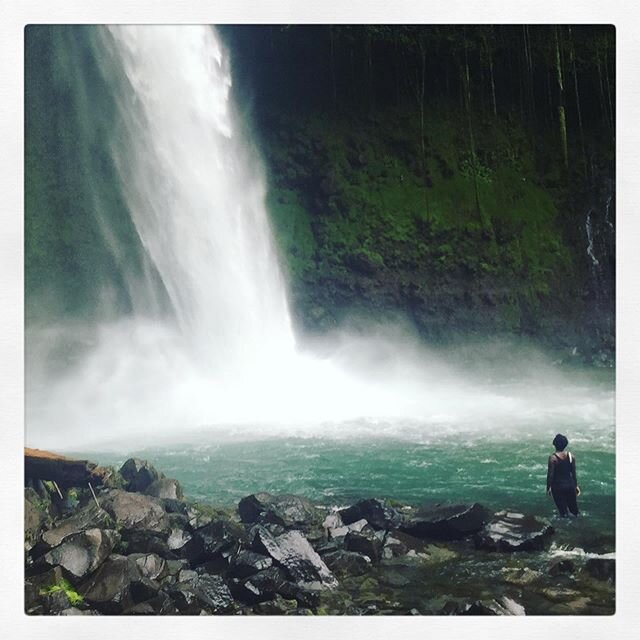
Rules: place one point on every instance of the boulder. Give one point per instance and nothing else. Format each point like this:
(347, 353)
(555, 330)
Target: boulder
(367, 541)
(185, 546)
(279, 606)
(109, 589)
(348, 563)
(150, 565)
(246, 563)
(166, 489)
(378, 513)
(288, 511)
(508, 531)
(601, 568)
(134, 511)
(293, 552)
(260, 587)
(562, 566)
(446, 521)
(220, 539)
(35, 516)
(160, 605)
(205, 593)
(88, 517)
(138, 474)
(82, 553)
(36, 583)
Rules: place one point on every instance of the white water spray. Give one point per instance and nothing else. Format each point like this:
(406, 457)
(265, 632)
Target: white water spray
(227, 356)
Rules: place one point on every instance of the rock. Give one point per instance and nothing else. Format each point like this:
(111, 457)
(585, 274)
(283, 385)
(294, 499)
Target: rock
(556, 594)
(161, 604)
(220, 539)
(138, 474)
(35, 516)
(501, 607)
(348, 563)
(246, 563)
(150, 565)
(292, 551)
(509, 531)
(185, 546)
(109, 589)
(34, 584)
(367, 542)
(88, 517)
(260, 587)
(376, 512)
(166, 489)
(521, 577)
(340, 532)
(288, 511)
(82, 553)
(176, 506)
(559, 567)
(56, 602)
(446, 521)
(134, 511)
(601, 568)
(206, 592)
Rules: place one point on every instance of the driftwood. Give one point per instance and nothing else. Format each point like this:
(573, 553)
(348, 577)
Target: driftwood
(66, 472)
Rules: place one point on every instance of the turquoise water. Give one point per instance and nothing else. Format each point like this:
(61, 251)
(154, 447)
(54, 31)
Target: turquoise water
(498, 469)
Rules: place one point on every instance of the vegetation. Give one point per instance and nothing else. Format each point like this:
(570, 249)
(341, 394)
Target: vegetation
(63, 585)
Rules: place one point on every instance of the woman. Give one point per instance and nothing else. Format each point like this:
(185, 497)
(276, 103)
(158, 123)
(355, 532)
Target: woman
(562, 482)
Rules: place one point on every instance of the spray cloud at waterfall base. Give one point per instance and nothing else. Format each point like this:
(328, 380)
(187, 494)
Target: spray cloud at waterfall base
(210, 342)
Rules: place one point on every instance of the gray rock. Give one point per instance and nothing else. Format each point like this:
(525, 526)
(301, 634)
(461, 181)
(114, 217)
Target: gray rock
(348, 563)
(446, 521)
(88, 517)
(368, 542)
(378, 513)
(509, 531)
(166, 489)
(82, 553)
(288, 511)
(138, 474)
(292, 551)
(246, 563)
(134, 511)
(206, 592)
(260, 587)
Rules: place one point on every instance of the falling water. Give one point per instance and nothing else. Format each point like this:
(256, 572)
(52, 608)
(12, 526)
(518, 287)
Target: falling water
(225, 357)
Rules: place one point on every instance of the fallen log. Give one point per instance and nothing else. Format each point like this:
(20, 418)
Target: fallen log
(66, 472)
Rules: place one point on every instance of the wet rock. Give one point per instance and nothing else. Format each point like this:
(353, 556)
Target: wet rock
(521, 577)
(246, 563)
(109, 589)
(500, 607)
(337, 533)
(293, 552)
(34, 584)
(446, 521)
(171, 505)
(378, 513)
(207, 592)
(82, 553)
(220, 539)
(185, 546)
(135, 511)
(88, 517)
(165, 488)
(509, 531)
(288, 511)
(368, 542)
(348, 563)
(260, 587)
(55, 603)
(601, 568)
(560, 567)
(150, 565)
(161, 604)
(138, 474)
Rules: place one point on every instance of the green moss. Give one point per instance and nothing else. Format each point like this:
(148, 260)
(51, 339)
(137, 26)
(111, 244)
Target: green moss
(63, 585)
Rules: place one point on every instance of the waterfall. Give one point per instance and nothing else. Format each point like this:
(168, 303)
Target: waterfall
(221, 357)
(196, 192)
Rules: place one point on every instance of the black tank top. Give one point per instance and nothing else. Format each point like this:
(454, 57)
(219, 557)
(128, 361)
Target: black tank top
(562, 476)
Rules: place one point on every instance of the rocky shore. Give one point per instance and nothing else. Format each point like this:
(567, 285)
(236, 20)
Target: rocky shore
(103, 541)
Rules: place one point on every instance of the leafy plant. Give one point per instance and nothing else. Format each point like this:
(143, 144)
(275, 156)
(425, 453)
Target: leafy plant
(63, 585)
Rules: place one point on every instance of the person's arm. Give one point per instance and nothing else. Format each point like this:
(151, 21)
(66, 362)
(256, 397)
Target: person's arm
(550, 470)
(573, 473)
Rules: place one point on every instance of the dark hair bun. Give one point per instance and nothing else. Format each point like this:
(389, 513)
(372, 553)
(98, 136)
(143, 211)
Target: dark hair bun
(560, 442)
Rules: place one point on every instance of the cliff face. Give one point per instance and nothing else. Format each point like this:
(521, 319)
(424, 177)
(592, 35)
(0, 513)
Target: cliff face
(412, 172)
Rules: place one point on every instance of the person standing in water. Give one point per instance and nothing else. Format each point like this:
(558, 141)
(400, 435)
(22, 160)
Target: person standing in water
(562, 482)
